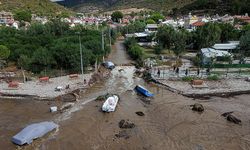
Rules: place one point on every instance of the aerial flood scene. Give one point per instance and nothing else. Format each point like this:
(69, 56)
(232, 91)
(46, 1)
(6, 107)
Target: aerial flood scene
(124, 75)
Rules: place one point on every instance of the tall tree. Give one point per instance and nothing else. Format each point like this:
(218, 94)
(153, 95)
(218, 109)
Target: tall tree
(116, 16)
(245, 44)
(208, 35)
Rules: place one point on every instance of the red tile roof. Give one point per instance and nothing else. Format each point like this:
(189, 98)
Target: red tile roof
(198, 24)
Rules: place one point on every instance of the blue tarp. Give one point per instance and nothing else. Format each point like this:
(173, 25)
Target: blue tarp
(143, 91)
(33, 131)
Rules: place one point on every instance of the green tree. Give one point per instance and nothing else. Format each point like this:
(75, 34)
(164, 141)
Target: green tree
(207, 35)
(179, 42)
(165, 36)
(150, 21)
(245, 44)
(116, 16)
(156, 16)
(4, 52)
(22, 15)
(228, 32)
(158, 49)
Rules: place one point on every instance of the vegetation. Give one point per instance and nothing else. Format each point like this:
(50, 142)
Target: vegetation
(53, 46)
(187, 78)
(134, 50)
(245, 44)
(39, 7)
(213, 77)
(137, 26)
(22, 15)
(116, 16)
(217, 6)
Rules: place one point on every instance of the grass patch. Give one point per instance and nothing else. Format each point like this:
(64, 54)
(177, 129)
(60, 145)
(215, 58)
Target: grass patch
(213, 78)
(187, 79)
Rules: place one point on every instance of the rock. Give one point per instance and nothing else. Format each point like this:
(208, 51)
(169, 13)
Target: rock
(65, 107)
(126, 124)
(103, 97)
(226, 114)
(197, 107)
(233, 119)
(121, 70)
(139, 113)
(122, 134)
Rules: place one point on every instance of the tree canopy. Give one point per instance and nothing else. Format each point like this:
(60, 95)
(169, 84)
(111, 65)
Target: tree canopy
(52, 46)
(22, 15)
(116, 16)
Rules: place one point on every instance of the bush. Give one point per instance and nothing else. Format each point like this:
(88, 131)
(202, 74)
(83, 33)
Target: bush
(213, 77)
(187, 79)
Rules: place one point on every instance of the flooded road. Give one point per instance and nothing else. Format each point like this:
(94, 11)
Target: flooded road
(169, 123)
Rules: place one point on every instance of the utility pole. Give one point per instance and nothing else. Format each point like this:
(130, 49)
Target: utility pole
(110, 44)
(81, 53)
(103, 44)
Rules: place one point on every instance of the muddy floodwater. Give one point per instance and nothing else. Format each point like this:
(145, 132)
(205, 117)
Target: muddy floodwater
(168, 123)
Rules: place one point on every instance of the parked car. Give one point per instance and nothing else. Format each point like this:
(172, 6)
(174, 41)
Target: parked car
(109, 65)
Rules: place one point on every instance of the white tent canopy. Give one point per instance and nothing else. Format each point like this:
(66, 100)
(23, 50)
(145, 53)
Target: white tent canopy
(210, 53)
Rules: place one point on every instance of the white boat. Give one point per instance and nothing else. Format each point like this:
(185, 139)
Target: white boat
(110, 104)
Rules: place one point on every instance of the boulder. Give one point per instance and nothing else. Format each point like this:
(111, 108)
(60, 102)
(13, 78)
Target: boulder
(139, 113)
(126, 124)
(197, 107)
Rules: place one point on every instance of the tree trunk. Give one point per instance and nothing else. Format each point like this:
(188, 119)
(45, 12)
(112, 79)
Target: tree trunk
(24, 77)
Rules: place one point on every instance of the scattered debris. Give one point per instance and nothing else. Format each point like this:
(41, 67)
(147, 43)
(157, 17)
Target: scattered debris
(126, 124)
(53, 109)
(103, 97)
(66, 106)
(140, 113)
(197, 107)
(121, 70)
(231, 118)
(122, 134)
(59, 88)
(226, 114)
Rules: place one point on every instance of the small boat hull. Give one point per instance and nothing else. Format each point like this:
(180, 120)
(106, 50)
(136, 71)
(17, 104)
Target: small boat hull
(143, 91)
(110, 104)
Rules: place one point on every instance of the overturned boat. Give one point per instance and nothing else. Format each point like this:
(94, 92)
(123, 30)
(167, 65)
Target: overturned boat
(110, 104)
(143, 91)
(33, 131)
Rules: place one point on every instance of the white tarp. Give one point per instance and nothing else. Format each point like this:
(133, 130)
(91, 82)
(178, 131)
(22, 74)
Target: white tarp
(33, 131)
(110, 104)
(211, 53)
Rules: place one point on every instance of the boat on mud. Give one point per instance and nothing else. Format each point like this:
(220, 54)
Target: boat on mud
(33, 131)
(110, 104)
(140, 89)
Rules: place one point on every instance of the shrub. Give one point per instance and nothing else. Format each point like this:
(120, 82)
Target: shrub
(187, 79)
(213, 77)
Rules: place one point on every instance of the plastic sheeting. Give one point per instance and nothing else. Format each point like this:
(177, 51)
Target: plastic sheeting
(110, 104)
(33, 131)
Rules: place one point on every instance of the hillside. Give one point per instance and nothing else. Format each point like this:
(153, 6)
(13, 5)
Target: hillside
(40, 7)
(104, 5)
(178, 6)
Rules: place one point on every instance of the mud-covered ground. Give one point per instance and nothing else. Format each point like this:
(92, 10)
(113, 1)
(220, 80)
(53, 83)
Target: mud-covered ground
(168, 123)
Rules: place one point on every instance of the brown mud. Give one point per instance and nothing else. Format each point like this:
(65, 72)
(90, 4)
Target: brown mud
(168, 123)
